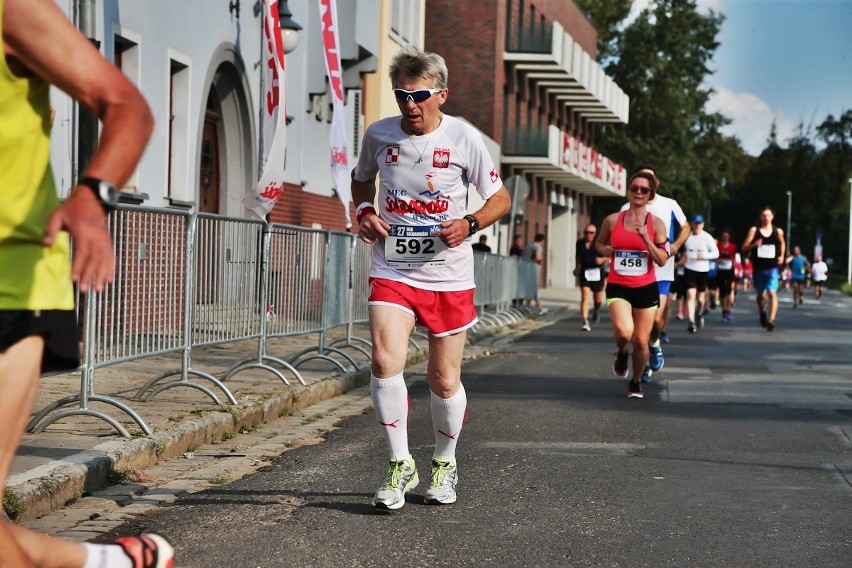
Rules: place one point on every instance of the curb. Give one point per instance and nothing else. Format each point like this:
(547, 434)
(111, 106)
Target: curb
(95, 469)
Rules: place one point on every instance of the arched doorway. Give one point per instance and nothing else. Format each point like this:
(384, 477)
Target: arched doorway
(209, 174)
(226, 164)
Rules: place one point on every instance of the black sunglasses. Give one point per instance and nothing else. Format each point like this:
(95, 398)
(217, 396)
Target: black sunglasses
(416, 96)
(639, 189)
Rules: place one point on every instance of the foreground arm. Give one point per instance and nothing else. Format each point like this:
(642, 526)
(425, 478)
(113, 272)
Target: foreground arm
(70, 62)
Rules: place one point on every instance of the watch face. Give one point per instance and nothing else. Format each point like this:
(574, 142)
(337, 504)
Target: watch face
(108, 193)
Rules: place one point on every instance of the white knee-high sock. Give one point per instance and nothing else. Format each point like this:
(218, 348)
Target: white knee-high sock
(447, 420)
(106, 556)
(390, 399)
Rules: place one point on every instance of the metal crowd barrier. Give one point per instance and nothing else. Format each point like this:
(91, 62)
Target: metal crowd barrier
(140, 314)
(502, 281)
(192, 280)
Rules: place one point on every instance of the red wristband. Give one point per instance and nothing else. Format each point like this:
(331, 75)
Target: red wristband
(363, 211)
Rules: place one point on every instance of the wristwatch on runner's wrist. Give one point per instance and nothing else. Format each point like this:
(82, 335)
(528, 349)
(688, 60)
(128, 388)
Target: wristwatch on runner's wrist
(103, 190)
(473, 223)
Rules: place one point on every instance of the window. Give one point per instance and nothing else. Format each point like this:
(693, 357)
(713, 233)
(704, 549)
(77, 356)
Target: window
(178, 173)
(406, 21)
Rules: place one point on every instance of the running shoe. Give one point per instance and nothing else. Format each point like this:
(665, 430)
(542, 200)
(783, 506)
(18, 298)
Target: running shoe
(692, 328)
(656, 359)
(646, 374)
(770, 326)
(679, 316)
(147, 551)
(664, 337)
(712, 304)
(634, 390)
(699, 319)
(586, 326)
(763, 320)
(619, 366)
(401, 479)
(596, 317)
(442, 487)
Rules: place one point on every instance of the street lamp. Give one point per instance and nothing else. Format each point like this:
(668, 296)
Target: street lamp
(289, 28)
(789, 208)
(849, 260)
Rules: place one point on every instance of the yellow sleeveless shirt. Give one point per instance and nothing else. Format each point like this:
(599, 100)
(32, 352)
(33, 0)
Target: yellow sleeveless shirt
(32, 276)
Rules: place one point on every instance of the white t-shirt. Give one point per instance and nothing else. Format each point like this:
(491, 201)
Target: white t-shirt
(704, 245)
(423, 181)
(820, 271)
(672, 216)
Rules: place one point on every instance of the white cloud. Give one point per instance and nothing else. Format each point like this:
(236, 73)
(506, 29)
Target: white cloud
(752, 119)
(704, 6)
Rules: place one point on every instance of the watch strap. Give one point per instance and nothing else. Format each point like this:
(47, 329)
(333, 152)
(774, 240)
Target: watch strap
(473, 223)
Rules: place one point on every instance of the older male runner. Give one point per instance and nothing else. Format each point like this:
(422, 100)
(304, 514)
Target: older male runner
(422, 267)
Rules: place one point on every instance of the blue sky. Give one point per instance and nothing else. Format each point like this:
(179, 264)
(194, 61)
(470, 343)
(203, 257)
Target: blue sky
(788, 60)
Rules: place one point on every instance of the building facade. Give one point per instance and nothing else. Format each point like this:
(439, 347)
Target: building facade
(522, 72)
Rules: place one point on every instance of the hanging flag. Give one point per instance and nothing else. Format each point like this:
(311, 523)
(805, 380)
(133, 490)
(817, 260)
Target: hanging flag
(273, 126)
(334, 70)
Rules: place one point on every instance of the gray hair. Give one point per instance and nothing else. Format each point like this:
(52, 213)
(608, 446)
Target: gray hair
(415, 63)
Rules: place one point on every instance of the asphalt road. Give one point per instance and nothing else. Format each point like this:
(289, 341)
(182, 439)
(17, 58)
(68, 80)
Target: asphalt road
(739, 455)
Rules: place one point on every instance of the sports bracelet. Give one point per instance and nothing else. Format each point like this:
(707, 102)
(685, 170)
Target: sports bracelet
(363, 209)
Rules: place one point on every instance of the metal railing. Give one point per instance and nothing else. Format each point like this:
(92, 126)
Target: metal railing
(193, 280)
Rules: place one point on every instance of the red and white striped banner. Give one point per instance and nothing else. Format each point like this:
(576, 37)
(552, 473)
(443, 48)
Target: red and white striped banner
(273, 126)
(339, 149)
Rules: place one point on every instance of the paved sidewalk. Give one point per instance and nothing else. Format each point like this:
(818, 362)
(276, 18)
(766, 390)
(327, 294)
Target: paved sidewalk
(78, 455)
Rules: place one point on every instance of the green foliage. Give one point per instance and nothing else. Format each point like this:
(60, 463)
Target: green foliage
(606, 18)
(818, 181)
(663, 61)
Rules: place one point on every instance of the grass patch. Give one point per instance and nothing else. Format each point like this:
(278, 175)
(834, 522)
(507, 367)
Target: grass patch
(227, 435)
(11, 504)
(219, 480)
(116, 477)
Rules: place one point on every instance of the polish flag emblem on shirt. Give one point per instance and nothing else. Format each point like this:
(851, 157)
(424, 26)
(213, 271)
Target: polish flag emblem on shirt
(494, 176)
(441, 159)
(392, 155)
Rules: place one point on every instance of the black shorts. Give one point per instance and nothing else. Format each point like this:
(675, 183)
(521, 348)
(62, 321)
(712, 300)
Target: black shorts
(679, 286)
(639, 298)
(596, 285)
(725, 278)
(57, 327)
(696, 279)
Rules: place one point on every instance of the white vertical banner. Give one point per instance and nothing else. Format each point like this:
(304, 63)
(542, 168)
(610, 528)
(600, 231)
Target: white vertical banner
(273, 126)
(339, 151)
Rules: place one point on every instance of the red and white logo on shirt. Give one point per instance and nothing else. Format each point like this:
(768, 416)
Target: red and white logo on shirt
(494, 176)
(441, 158)
(392, 155)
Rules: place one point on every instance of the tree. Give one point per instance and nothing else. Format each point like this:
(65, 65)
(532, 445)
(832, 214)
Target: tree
(606, 17)
(661, 60)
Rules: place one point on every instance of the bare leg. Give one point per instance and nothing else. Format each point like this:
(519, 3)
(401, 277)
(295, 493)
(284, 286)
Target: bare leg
(643, 321)
(20, 369)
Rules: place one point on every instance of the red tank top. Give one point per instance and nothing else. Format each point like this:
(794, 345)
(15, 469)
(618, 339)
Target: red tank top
(631, 264)
(727, 254)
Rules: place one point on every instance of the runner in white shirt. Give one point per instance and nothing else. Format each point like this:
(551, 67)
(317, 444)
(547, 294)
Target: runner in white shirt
(701, 249)
(677, 229)
(819, 270)
(422, 267)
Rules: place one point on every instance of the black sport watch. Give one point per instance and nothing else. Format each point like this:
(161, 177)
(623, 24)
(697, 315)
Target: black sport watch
(474, 224)
(103, 190)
